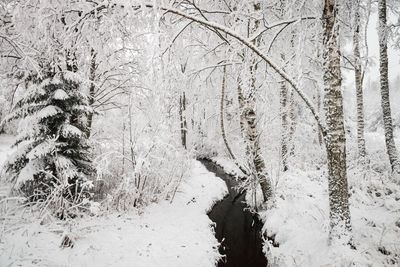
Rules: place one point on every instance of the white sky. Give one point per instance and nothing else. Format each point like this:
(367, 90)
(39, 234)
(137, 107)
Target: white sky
(371, 81)
(373, 50)
(373, 44)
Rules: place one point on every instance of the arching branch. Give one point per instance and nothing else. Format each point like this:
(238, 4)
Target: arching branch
(246, 42)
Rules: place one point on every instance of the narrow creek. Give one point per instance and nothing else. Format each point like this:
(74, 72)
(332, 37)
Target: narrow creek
(237, 229)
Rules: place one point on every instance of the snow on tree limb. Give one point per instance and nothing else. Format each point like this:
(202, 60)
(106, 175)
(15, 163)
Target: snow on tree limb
(247, 42)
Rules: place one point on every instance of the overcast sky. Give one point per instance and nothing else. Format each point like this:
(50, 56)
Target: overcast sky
(371, 82)
(372, 74)
(373, 44)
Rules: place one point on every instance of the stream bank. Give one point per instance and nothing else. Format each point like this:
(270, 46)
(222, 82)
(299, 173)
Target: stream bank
(236, 228)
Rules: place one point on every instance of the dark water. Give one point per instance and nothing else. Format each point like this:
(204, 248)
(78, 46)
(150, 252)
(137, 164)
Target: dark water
(237, 229)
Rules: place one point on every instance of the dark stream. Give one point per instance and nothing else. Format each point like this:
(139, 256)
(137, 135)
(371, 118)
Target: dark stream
(237, 229)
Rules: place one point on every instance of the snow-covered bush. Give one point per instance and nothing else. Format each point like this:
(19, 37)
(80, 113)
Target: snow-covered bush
(155, 176)
(203, 147)
(52, 161)
(134, 176)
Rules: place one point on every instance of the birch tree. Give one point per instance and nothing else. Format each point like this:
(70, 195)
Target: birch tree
(359, 77)
(340, 225)
(384, 84)
(283, 94)
(248, 114)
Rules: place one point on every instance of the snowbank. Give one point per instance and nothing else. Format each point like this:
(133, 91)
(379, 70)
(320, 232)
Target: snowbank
(164, 234)
(299, 222)
(228, 165)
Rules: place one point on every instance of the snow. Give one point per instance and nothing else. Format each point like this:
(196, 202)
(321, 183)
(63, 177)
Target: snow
(65, 166)
(163, 234)
(60, 94)
(70, 130)
(48, 111)
(34, 91)
(299, 220)
(26, 174)
(6, 142)
(228, 165)
(42, 149)
(5, 152)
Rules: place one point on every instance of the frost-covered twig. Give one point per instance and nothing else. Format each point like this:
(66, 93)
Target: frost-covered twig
(247, 42)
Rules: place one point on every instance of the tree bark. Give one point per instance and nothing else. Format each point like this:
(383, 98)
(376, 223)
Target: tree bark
(248, 125)
(283, 96)
(384, 81)
(358, 73)
(92, 76)
(284, 125)
(182, 116)
(292, 117)
(320, 134)
(223, 86)
(335, 140)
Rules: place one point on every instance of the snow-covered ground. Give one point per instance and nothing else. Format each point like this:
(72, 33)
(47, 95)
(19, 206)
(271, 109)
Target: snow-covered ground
(299, 222)
(163, 234)
(180, 233)
(228, 165)
(5, 151)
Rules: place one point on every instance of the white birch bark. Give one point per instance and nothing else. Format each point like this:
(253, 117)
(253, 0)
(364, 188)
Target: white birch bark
(284, 125)
(384, 82)
(248, 124)
(340, 225)
(358, 73)
(182, 118)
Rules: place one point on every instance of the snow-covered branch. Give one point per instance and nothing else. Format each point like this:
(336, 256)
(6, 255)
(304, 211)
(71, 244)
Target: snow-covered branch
(247, 42)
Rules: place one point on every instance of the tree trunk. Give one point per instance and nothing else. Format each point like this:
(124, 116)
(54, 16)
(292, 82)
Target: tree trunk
(384, 80)
(283, 96)
(182, 116)
(292, 123)
(284, 125)
(72, 66)
(248, 125)
(320, 134)
(359, 80)
(340, 225)
(92, 76)
(223, 86)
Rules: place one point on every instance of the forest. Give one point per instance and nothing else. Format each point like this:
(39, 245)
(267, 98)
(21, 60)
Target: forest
(199, 133)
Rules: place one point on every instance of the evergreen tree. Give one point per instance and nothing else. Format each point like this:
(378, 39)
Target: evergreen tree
(53, 157)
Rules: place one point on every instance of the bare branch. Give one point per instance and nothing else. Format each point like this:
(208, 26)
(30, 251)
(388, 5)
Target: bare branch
(256, 50)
